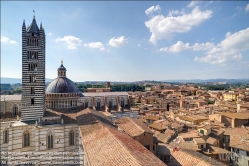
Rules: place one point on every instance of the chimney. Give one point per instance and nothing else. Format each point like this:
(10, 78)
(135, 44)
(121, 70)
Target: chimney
(107, 84)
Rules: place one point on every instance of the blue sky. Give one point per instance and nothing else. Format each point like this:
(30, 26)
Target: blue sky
(132, 41)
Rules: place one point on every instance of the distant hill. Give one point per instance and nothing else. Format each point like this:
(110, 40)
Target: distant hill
(5, 80)
(210, 80)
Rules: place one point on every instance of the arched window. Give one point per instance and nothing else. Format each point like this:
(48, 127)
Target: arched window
(15, 110)
(6, 136)
(71, 137)
(32, 101)
(26, 139)
(50, 141)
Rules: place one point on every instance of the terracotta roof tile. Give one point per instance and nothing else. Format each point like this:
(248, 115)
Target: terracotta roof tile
(105, 145)
(157, 126)
(133, 127)
(152, 117)
(199, 140)
(211, 140)
(186, 157)
(239, 115)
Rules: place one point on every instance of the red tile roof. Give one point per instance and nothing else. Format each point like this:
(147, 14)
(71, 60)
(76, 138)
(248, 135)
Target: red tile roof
(152, 117)
(133, 127)
(105, 145)
(186, 157)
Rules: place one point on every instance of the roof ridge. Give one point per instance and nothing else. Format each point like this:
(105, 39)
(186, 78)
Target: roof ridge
(123, 145)
(136, 124)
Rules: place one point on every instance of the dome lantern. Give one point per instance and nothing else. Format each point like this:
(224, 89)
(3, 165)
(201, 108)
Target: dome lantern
(62, 70)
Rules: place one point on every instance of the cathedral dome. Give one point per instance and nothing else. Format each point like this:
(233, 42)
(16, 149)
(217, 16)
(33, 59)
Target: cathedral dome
(61, 85)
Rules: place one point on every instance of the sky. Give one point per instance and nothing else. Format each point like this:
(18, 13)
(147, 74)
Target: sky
(132, 40)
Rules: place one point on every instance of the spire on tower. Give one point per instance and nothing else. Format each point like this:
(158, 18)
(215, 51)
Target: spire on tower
(62, 61)
(23, 24)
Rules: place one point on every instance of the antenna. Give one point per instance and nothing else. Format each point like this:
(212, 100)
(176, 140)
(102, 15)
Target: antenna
(34, 12)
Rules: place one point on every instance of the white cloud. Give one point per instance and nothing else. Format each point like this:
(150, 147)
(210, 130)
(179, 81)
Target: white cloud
(180, 46)
(247, 8)
(139, 45)
(193, 3)
(98, 45)
(228, 49)
(176, 12)
(164, 27)
(70, 41)
(152, 9)
(117, 42)
(202, 46)
(6, 40)
(49, 34)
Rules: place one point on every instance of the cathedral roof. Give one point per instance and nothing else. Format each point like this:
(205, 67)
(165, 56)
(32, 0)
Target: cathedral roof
(33, 28)
(61, 85)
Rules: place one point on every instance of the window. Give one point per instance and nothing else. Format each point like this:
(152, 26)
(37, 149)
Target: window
(86, 104)
(32, 90)
(122, 103)
(26, 139)
(6, 136)
(202, 146)
(32, 67)
(71, 138)
(32, 101)
(110, 104)
(15, 110)
(98, 104)
(32, 78)
(50, 141)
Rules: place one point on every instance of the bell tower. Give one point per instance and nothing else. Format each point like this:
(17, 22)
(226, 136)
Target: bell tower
(33, 71)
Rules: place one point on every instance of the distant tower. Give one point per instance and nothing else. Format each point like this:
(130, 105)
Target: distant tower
(33, 71)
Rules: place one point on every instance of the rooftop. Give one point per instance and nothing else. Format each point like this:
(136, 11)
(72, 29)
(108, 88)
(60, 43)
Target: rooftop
(11, 97)
(239, 115)
(181, 156)
(133, 127)
(106, 94)
(104, 144)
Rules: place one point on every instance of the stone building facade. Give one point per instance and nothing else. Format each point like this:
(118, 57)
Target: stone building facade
(11, 104)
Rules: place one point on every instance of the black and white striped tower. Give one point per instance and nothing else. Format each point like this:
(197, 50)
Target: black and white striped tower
(33, 71)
